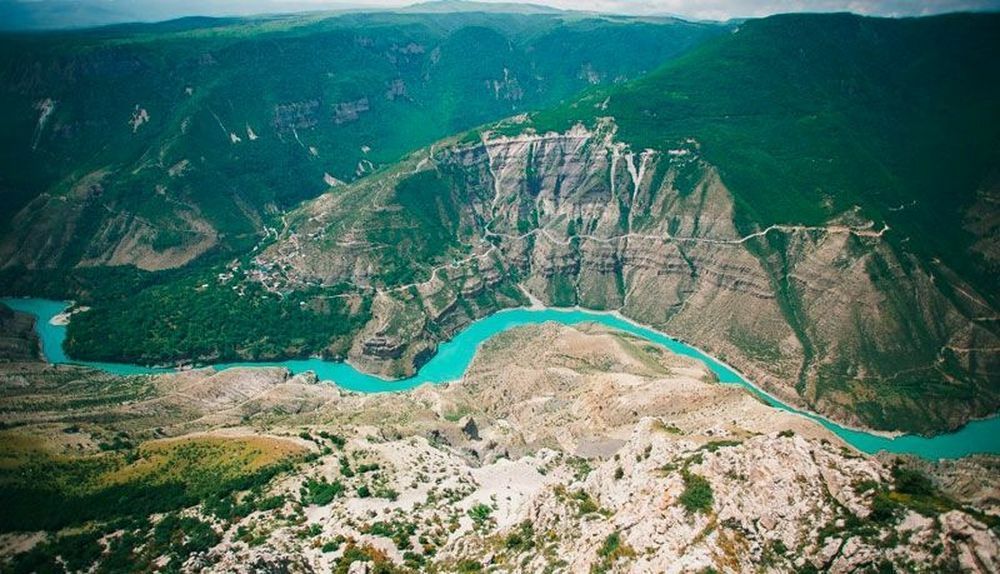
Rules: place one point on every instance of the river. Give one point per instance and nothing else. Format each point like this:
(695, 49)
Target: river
(454, 357)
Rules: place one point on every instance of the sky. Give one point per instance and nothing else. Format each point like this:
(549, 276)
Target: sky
(726, 9)
(16, 14)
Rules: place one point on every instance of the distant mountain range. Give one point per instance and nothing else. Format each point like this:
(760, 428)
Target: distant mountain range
(63, 14)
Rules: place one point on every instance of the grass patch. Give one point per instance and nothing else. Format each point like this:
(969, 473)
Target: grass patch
(697, 496)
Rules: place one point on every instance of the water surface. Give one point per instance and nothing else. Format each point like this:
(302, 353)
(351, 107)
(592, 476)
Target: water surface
(454, 357)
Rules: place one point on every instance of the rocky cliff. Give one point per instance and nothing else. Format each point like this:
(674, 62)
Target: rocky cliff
(150, 146)
(837, 317)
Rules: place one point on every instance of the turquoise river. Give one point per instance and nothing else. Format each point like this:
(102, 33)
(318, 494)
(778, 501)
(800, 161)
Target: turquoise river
(453, 358)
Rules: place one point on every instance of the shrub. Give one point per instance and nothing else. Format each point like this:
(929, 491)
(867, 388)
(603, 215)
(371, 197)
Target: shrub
(697, 495)
(884, 509)
(610, 551)
(320, 492)
(913, 482)
(521, 539)
(480, 513)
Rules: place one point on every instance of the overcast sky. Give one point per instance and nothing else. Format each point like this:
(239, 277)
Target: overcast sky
(15, 14)
(725, 9)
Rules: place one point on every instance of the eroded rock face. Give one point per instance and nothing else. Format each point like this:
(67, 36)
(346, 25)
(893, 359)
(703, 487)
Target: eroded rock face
(816, 315)
(44, 232)
(296, 115)
(18, 340)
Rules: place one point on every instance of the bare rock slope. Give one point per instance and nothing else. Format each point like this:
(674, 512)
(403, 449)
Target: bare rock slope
(834, 317)
(562, 450)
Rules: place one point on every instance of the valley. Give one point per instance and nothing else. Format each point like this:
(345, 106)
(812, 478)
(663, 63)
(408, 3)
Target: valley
(453, 358)
(576, 205)
(498, 287)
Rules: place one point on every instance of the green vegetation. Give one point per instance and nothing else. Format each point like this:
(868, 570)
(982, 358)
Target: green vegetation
(320, 492)
(429, 205)
(184, 321)
(800, 139)
(50, 495)
(365, 553)
(359, 89)
(47, 491)
(522, 538)
(804, 116)
(697, 495)
(610, 552)
(399, 531)
(171, 540)
(809, 118)
(580, 499)
(480, 514)
(714, 445)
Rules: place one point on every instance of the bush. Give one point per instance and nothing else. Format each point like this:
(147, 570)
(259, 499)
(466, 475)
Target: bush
(480, 513)
(884, 509)
(913, 482)
(609, 553)
(320, 492)
(337, 440)
(697, 495)
(521, 539)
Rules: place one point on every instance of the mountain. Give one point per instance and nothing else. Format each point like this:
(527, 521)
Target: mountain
(34, 15)
(154, 144)
(811, 198)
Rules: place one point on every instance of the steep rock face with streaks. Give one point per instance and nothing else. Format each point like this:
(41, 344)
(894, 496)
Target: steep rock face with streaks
(825, 222)
(833, 317)
(156, 145)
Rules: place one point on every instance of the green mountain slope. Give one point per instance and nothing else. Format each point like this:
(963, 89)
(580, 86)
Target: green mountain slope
(807, 117)
(816, 204)
(811, 198)
(153, 144)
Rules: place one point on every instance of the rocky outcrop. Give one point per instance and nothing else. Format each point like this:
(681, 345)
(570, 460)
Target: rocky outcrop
(812, 313)
(18, 341)
(296, 115)
(345, 112)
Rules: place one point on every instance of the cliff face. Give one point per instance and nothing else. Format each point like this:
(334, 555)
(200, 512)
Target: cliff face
(151, 147)
(838, 317)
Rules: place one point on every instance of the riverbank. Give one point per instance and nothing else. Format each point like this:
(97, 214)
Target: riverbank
(453, 358)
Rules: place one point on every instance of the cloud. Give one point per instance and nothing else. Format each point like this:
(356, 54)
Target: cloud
(72, 13)
(726, 9)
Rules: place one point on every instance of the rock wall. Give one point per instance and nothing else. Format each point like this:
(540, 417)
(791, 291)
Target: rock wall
(819, 315)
